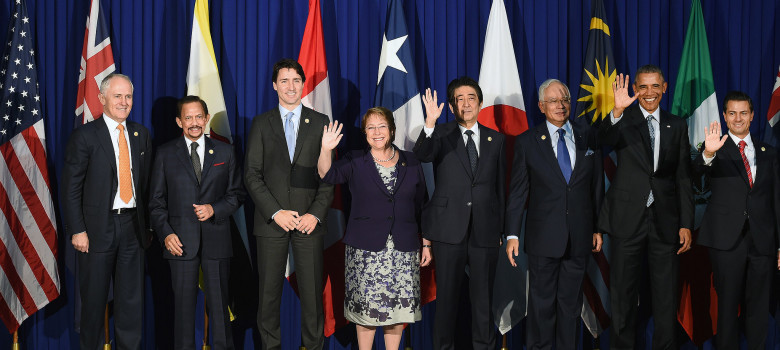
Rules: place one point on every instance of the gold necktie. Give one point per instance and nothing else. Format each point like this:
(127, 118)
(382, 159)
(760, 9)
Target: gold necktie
(125, 181)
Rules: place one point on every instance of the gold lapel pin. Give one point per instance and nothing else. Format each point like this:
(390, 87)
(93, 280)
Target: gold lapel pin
(490, 138)
(403, 163)
(306, 120)
(135, 133)
(544, 137)
(211, 151)
(763, 149)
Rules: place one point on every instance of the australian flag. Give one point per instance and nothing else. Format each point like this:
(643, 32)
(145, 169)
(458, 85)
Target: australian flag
(397, 82)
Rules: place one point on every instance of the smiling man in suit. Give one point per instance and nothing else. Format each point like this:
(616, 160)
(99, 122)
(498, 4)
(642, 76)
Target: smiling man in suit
(291, 205)
(195, 188)
(741, 223)
(104, 197)
(465, 216)
(557, 168)
(648, 207)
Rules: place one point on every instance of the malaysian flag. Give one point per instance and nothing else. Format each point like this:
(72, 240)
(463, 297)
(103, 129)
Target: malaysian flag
(28, 234)
(97, 61)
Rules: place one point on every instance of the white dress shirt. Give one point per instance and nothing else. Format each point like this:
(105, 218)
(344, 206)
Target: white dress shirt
(474, 128)
(656, 125)
(114, 132)
(568, 138)
(201, 148)
(750, 153)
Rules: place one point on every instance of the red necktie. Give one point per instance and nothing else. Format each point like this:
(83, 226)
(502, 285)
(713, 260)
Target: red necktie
(742, 145)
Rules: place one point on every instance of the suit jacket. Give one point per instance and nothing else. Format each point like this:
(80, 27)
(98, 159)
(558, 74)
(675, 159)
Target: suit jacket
(671, 182)
(375, 212)
(89, 181)
(275, 183)
(461, 195)
(174, 189)
(733, 201)
(558, 212)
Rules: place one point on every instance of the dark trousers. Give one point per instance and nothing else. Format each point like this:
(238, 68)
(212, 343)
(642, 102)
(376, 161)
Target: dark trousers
(184, 280)
(625, 275)
(554, 301)
(742, 273)
(125, 261)
(451, 261)
(272, 260)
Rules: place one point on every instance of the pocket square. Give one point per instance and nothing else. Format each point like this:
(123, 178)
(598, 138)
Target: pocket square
(219, 164)
(589, 152)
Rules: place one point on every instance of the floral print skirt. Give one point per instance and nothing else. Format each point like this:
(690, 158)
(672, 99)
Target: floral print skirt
(382, 288)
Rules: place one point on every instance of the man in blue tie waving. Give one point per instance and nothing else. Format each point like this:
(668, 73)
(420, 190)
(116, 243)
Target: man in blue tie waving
(557, 168)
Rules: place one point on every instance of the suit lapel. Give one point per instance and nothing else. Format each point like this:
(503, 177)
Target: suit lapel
(641, 125)
(374, 173)
(104, 139)
(277, 127)
(544, 141)
(183, 154)
(761, 159)
(665, 133)
(459, 146)
(208, 158)
(135, 151)
(304, 129)
(580, 146)
(400, 170)
(735, 158)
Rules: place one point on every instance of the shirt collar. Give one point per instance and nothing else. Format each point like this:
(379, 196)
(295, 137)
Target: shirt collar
(736, 139)
(474, 128)
(112, 124)
(200, 141)
(296, 111)
(645, 113)
(554, 129)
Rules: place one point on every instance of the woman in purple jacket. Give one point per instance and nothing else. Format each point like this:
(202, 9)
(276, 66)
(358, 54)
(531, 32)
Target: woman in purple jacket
(382, 257)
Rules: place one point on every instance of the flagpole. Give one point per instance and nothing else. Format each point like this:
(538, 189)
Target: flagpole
(107, 344)
(16, 341)
(503, 342)
(408, 339)
(205, 326)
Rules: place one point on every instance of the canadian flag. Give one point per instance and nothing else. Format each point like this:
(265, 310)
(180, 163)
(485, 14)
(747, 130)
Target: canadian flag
(316, 95)
(503, 109)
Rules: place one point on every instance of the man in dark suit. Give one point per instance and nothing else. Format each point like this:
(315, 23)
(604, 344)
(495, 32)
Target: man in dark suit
(464, 218)
(649, 205)
(190, 207)
(557, 168)
(291, 204)
(741, 223)
(104, 196)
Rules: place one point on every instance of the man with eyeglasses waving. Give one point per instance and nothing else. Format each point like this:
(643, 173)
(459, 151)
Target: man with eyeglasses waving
(649, 205)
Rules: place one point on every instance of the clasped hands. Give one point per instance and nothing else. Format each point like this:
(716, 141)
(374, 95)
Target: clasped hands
(290, 220)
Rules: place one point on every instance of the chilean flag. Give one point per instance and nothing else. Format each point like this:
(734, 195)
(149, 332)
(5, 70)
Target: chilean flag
(316, 95)
(503, 109)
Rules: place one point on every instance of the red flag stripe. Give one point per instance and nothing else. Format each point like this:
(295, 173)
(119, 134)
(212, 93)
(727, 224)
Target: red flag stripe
(603, 263)
(17, 286)
(6, 315)
(26, 230)
(594, 300)
(38, 150)
(22, 190)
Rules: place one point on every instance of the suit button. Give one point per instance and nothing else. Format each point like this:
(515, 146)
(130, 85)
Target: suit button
(389, 218)
(468, 204)
(567, 211)
(569, 189)
(390, 200)
(745, 213)
(473, 185)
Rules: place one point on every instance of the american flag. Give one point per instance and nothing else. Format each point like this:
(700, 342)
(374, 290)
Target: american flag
(97, 61)
(28, 234)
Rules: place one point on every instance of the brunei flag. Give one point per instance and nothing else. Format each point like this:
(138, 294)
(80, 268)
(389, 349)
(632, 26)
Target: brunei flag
(595, 102)
(595, 98)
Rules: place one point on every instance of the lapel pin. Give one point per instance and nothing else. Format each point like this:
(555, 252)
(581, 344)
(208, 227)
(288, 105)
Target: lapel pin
(135, 133)
(490, 138)
(544, 137)
(668, 126)
(403, 163)
(306, 120)
(211, 151)
(763, 149)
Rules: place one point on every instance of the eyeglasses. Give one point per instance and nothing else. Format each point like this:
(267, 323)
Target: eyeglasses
(199, 117)
(372, 128)
(555, 101)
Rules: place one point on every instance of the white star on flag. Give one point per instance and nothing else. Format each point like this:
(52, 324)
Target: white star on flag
(389, 55)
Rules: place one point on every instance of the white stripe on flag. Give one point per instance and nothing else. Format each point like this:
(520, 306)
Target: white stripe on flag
(703, 115)
(319, 99)
(408, 123)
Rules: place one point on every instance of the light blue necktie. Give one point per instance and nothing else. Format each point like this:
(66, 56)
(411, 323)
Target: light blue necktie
(289, 134)
(564, 159)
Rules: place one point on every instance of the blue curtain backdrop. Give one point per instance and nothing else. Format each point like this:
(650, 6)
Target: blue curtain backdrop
(151, 40)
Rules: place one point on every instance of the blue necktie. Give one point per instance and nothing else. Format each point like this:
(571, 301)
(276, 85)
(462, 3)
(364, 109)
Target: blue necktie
(564, 160)
(289, 134)
(651, 129)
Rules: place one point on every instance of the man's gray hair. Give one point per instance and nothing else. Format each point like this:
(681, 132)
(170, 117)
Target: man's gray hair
(107, 82)
(546, 84)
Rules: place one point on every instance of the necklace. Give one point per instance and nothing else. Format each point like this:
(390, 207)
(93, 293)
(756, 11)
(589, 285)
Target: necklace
(384, 160)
